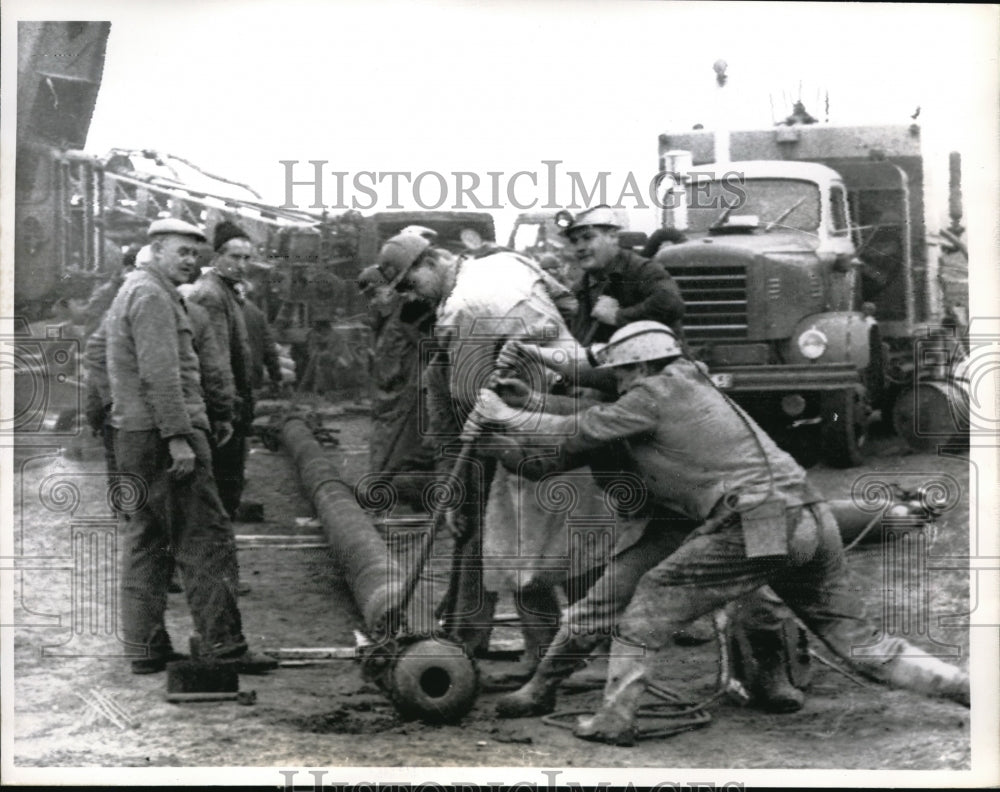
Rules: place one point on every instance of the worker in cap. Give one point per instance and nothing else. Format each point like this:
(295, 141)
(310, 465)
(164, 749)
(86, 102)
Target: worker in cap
(217, 291)
(600, 216)
(171, 225)
(399, 325)
(163, 433)
(480, 304)
(398, 255)
(756, 520)
(618, 286)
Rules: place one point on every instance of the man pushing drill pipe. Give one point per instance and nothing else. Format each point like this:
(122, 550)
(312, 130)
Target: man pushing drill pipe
(484, 303)
(760, 523)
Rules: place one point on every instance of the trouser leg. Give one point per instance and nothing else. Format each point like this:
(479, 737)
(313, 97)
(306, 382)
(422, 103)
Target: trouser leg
(590, 621)
(205, 551)
(820, 592)
(146, 553)
(705, 573)
(537, 606)
(763, 619)
(228, 466)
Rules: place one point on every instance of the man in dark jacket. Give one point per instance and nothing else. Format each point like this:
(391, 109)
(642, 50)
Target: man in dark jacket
(216, 292)
(396, 446)
(263, 351)
(617, 286)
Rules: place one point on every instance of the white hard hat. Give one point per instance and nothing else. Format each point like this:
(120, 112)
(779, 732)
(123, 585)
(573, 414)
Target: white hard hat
(636, 343)
(601, 216)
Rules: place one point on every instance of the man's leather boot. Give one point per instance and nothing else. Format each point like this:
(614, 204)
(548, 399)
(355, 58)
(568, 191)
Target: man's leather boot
(614, 723)
(772, 688)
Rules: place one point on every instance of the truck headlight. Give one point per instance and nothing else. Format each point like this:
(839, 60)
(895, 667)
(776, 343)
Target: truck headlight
(812, 343)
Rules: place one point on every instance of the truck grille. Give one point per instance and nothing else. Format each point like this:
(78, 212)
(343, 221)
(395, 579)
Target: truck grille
(715, 302)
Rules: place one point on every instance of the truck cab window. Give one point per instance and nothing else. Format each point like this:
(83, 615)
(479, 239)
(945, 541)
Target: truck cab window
(794, 201)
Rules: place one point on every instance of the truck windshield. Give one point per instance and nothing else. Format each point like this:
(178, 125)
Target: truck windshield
(766, 199)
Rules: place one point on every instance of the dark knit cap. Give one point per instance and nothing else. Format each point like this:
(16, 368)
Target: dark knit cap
(225, 231)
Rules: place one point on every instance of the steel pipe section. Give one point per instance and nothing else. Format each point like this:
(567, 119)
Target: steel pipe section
(358, 549)
(430, 679)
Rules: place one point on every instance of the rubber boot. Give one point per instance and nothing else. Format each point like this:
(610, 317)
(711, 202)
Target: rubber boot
(614, 723)
(772, 689)
(538, 695)
(923, 673)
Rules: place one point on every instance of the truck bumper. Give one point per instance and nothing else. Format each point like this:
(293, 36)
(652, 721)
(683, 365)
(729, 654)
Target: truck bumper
(796, 378)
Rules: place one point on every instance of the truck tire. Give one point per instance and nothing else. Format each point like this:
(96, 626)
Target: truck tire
(931, 414)
(844, 428)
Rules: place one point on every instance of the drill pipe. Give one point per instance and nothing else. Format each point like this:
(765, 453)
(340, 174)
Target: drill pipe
(359, 551)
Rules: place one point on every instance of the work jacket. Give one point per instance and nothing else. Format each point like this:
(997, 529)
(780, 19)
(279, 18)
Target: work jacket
(153, 371)
(644, 291)
(222, 303)
(263, 353)
(692, 448)
(216, 379)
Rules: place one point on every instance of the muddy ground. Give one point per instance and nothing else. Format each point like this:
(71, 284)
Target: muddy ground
(326, 715)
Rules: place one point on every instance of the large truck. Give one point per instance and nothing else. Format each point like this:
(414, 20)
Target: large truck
(818, 274)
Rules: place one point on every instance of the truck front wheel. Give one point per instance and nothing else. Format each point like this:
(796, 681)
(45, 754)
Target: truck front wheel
(845, 427)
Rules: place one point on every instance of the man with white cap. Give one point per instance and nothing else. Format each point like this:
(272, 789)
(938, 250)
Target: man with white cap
(617, 286)
(162, 452)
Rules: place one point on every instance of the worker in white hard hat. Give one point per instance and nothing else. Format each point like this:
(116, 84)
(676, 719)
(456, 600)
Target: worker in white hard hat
(617, 286)
(760, 523)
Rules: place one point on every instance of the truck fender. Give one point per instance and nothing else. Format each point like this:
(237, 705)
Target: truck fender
(847, 338)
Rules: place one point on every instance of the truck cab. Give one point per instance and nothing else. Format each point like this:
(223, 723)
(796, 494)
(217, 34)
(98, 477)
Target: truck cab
(770, 282)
